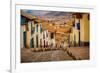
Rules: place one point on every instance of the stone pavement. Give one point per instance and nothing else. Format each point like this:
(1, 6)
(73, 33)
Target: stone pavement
(72, 53)
(55, 55)
(79, 53)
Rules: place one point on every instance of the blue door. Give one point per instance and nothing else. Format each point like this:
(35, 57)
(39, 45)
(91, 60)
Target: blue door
(78, 26)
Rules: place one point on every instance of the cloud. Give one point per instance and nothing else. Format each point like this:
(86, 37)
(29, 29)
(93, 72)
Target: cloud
(36, 12)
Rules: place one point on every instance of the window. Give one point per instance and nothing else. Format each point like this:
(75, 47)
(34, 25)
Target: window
(40, 28)
(78, 26)
(47, 34)
(52, 35)
(24, 38)
(36, 40)
(37, 28)
(43, 36)
(33, 30)
(32, 43)
(23, 20)
(46, 43)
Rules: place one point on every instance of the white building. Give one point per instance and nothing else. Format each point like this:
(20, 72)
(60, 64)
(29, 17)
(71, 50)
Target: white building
(41, 37)
(33, 34)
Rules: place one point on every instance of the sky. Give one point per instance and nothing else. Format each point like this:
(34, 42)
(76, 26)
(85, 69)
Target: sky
(48, 13)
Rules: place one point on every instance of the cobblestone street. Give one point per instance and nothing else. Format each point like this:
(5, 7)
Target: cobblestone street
(80, 52)
(75, 53)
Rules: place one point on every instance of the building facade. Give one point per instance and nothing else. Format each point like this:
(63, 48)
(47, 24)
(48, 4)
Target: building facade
(80, 35)
(34, 35)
